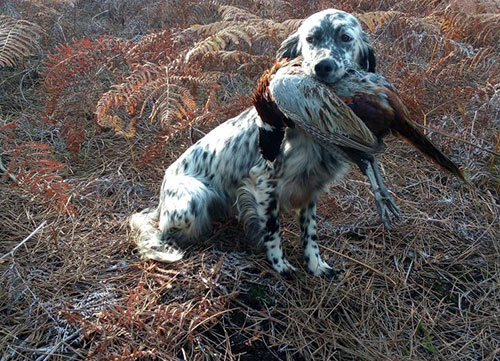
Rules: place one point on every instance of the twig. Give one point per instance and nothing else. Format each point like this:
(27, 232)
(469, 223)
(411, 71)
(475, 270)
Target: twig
(24, 240)
(54, 348)
(354, 260)
(33, 295)
(362, 264)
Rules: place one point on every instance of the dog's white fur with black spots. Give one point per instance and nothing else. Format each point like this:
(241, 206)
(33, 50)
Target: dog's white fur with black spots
(224, 174)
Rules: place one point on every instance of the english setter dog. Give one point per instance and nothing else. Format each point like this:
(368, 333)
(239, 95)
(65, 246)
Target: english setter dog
(224, 173)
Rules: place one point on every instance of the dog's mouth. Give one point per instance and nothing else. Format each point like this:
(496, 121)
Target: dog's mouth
(330, 79)
(326, 71)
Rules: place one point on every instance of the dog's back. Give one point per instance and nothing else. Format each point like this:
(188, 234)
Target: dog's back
(222, 158)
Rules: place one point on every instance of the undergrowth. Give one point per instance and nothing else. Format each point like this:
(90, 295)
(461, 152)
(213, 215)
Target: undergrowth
(97, 98)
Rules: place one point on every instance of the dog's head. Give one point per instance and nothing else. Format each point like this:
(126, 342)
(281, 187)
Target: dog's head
(330, 41)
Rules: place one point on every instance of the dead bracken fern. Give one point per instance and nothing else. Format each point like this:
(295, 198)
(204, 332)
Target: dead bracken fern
(374, 19)
(33, 170)
(177, 322)
(237, 26)
(169, 92)
(221, 40)
(119, 82)
(163, 76)
(426, 290)
(74, 78)
(18, 38)
(477, 29)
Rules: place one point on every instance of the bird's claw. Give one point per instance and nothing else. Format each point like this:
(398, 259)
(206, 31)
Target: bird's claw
(389, 201)
(385, 206)
(383, 200)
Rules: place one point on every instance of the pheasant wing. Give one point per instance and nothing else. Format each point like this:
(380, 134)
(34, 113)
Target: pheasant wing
(315, 108)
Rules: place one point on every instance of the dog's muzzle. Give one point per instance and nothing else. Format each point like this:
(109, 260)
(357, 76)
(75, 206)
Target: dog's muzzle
(328, 71)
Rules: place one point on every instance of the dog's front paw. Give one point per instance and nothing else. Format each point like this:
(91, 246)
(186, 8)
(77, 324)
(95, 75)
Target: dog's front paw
(319, 268)
(283, 267)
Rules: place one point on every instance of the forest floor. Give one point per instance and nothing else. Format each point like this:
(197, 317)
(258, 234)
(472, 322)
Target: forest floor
(72, 285)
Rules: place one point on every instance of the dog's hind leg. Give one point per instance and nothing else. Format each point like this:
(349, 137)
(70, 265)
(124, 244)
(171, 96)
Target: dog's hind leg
(184, 213)
(259, 202)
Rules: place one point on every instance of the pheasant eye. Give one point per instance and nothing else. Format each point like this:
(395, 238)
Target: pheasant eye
(346, 38)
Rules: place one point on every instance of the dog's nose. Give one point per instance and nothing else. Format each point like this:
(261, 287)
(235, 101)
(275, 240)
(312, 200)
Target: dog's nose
(324, 68)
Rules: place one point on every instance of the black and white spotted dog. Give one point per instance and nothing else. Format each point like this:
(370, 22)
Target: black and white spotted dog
(224, 172)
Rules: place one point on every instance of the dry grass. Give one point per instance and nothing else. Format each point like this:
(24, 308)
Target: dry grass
(428, 289)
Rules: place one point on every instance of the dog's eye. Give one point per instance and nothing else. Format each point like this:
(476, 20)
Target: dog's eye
(345, 38)
(310, 39)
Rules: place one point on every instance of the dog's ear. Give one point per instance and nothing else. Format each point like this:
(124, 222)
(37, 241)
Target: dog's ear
(368, 61)
(367, 57)
(289, 48)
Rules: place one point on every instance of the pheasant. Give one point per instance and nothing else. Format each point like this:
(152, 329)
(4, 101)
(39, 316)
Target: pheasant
(353, 114)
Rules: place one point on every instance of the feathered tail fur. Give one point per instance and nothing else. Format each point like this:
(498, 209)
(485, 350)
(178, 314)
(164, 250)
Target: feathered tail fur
(148, 237)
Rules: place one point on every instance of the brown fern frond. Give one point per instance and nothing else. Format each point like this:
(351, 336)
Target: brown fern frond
(156, 47)
(75, 76)
(82, 56)
(244, 20)
(237, 61)
(206, 79)
(291, 25)
(203, 13)
(118, 125)
(472, 7)
(233, 13)
(234, 59)
(34, 171)
(469, 68)
(18, 38)
(477, 29)
(222, 40)
(206, 29)
(173, 102)
(129, 94)
(251, 26)
(203, 31)
(170, 93)
(173, 96)
(374, 19)
(401, 26)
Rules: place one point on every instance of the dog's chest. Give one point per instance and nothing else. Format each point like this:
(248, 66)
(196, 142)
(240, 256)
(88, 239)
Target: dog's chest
(305, 168)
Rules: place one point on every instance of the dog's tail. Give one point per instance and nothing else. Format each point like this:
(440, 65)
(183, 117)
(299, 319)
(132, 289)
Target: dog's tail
(148, 237)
